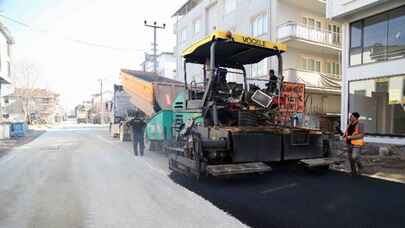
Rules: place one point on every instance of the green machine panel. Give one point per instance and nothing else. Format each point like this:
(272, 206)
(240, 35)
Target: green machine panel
(159, 127)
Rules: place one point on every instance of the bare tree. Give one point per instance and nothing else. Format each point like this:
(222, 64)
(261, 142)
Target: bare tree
(25, 79)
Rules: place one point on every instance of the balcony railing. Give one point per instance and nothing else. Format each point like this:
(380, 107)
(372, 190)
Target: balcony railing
(314, 79)
(300, 31)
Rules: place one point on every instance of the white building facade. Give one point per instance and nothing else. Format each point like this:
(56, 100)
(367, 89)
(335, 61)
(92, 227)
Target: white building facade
(373, 61)
(6, 42)
(166, 64)
(314, 44)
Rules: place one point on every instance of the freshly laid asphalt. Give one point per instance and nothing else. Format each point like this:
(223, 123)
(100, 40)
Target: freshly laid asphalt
(294, 197)
(75, 176)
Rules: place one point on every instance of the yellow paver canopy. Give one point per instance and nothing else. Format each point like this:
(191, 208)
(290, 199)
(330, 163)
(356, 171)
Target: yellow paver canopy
(232, 50)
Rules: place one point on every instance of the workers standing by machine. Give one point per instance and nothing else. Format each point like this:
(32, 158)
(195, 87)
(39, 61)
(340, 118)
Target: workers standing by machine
(137, 124)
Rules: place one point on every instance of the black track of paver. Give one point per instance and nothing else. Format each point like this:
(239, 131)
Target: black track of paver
(291, 197)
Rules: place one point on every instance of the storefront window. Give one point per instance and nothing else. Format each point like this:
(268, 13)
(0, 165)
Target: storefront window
(396, 34)
(381, 103)
(378, 38)
(375, 39)
(355, 43)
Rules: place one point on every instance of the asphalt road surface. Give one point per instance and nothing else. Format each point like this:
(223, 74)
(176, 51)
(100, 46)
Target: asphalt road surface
(77, 176)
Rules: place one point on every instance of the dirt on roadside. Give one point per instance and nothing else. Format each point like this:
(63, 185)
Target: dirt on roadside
(388, 166)
(8, 144)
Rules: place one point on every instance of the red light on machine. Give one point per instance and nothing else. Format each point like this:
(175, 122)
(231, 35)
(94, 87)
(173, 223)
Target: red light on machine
(168, 100)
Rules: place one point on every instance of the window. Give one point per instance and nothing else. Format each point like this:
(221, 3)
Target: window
(335, 31)
(356, 43)
(378, 38)
(318, 66)
(9, 69)
(9, 50)
(259, 69)
(374, 38)
(230, 5)
(396, 34)
(259, 25)
(333, 67)
(183, 35)
(381, 104)
(310, 64)
(197, 25)
(312, 23)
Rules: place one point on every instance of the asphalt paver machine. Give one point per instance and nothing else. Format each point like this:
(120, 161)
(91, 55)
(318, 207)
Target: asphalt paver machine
(229, 123)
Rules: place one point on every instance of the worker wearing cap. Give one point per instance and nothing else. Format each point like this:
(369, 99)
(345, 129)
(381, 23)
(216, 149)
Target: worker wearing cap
(137, 125)
(354, 137)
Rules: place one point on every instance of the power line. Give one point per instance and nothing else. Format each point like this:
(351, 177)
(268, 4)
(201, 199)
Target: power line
(155, 27)
(77, 41)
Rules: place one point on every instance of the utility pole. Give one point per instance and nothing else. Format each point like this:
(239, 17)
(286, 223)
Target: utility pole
(155, 27)
(101, 102)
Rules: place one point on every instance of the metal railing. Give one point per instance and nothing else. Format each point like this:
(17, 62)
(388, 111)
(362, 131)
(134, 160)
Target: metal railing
(313, 78)
(310, 33)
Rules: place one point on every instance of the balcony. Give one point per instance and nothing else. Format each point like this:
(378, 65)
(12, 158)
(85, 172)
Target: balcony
(305, 37)
(315, 81)
(317, 6)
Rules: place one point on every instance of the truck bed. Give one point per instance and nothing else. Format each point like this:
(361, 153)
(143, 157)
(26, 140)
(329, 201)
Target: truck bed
(149, 92)
(121, 103)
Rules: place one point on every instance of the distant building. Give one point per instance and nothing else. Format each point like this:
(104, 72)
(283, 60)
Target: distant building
(166, 64)
(6, 43)
(314, 45)
(373, 61)
(37, 104)
(99, 105)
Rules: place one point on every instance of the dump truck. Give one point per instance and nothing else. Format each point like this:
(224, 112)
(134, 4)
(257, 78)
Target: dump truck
(121, 112)
(150, 94)
(227, 127)
(82, 114)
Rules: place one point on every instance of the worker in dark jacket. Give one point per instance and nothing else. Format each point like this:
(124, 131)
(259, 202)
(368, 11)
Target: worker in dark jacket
(137, 125)
(273, 81)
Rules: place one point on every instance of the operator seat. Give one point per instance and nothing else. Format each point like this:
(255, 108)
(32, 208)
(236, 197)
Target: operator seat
(221, 89)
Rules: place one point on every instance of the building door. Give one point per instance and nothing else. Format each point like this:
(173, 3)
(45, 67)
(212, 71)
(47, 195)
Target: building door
(335, 31)
(313, 28)
(211, 19)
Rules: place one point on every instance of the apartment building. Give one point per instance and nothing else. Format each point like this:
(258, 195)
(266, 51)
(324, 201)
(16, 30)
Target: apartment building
(166, 64)
(6, 42)
(373, 63)
(100, 107)
(314, 44)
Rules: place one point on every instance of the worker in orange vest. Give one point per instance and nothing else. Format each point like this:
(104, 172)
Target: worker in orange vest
(354, 137)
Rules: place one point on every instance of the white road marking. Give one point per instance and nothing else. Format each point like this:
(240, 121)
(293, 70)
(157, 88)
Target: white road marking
(105, 140)
(160, 171)
(271, 190)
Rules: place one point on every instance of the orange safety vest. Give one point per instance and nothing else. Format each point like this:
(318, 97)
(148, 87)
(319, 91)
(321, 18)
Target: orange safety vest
(355, 142)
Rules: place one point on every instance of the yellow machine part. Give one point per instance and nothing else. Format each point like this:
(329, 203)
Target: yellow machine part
(141, 92)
